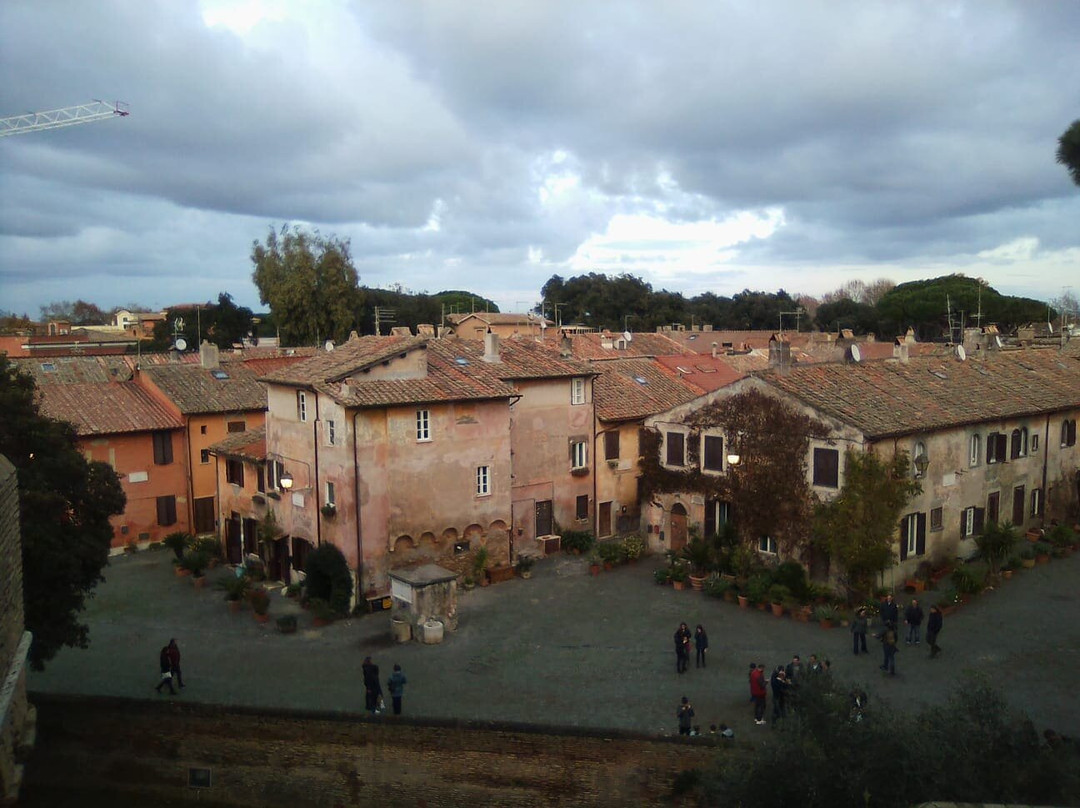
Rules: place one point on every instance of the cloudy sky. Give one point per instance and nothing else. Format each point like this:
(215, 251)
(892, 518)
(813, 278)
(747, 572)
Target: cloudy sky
(487, 145)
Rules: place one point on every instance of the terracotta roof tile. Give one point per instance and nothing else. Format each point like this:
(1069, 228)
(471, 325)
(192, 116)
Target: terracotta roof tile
(498, 318)
(106, 409)
(628, 389)
(885, 399)
(525, 358)
(349, 357)
(232, 387)
(596, 346)
(250, 445)
(702, 371)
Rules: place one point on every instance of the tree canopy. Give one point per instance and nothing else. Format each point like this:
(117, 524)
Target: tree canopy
(222, 323)
(65, 503)
(858, 528)
(1068, 151)
(310, 283)
(78, 313)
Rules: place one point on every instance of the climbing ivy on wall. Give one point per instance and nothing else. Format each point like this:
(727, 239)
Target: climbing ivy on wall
(768, 490)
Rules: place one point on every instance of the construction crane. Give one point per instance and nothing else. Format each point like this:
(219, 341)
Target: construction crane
(57, 118)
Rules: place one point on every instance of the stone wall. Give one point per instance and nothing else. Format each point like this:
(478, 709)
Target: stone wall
(130, 751)
(16, 718)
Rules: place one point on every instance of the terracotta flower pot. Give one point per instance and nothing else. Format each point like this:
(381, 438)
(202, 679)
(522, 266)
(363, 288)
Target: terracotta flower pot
(594, 570)
(744, 601)
(1042, 558)
(825, 623)
(777, 609)
(182, 573)
(1007, 573)
(680, 585)
(319, 622)
(697, 582)
(261, 618)
(234, 606)
(199, 581)
(1027, 563)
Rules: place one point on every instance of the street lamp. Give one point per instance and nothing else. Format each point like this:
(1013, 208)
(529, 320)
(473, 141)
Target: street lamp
(285, 481)
(733, 459)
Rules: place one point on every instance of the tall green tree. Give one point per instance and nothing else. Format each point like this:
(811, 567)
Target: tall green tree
(1068, 151)
(858, 528)
(222, 323)
(310, 284)
(64, 507)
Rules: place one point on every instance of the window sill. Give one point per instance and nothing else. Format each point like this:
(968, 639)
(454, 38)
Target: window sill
(580, 472)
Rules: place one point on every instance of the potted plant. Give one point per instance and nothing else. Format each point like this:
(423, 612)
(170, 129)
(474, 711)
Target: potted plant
(287, 624)
(1027, 558)
(178, 542)
(577, 542)
(195, 561)
(293, 590)
(609, 553)
(1042, 552)
(995, 543)
(480, 566)
(236, 589)
(322, 614)
(329, 510)
(662, 576)
(698, 555)
(679, 575)
(132, 547)
(778, 595)
(757, 588)
(717, 587)
(633, 547)
(467, 583)
(260, 603)
(826, 616)
(596, 563)
(524, 566)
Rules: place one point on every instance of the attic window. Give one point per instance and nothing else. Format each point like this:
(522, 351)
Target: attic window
(681, 369)
(220, 375)
(460, 360)
(48, 367)
(641, 380)
(692, 337)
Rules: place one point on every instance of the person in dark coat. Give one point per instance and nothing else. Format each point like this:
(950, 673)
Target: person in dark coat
(933, 628)
(372, 688)
(166, 671)
(685, 714)
(174, 662)
(781, 688)
(682, 648)
(396, 686)
(888, 644)
(858, 631)
(890, 612)
(913, 617)
(701, 643)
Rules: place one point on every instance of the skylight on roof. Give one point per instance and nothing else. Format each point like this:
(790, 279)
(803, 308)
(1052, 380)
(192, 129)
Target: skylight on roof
(220, 375)
(681, 369)
(692, 337)
(48, 367)
(460, 360)
(641, 380)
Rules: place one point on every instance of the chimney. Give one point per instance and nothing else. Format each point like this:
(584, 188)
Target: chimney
(566, 346)
(425, 329)
(715, 345)
(209, 357)
(909, 337)
(491, 347)
(780, 354)
(901, 350)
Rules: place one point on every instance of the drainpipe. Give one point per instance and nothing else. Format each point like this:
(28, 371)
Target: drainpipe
(595, 457)
(315, 493)
(359, 532)
(1046, 461)
(190, 474)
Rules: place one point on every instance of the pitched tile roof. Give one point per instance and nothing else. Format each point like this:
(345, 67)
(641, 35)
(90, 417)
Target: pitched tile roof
(590, 346)
(232, 387)
(108, 408)
(628, 389)
(523, 357)
(702, 371)
(886, 399)
(454, 373)
(250, 445)
(498, 318)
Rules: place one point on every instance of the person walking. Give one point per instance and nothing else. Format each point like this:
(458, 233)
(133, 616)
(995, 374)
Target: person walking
(396, 685)
(758, 692)
(174, 662)
(858, 631)
(890, 612)
(682, 648)
(685, 714)
(372, 688)
(913, 617)
(166, 671)
(701, 643)
(888, 644)
(933, 628)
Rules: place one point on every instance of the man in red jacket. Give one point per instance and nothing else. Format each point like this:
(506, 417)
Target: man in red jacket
(757, 692)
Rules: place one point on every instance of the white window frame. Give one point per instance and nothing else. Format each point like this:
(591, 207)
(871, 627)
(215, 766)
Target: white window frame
(1036, 501)
(911, 533)
(331, 432)
(767, 545)
(969, 522)
(577, 391)
(579, 454)
(974, 450)
(423, 426)
(331, 495)
(301, 406)
(483, 481)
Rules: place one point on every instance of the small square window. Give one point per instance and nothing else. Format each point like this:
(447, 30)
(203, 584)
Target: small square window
(827, 468)
(483, 481)
(581, 512)
(204, 456)
(202, 429)
(1034, 443)
(301, 405)
(767, 544)
(236, 426)
(461, 547)
(331, 433)
(423, 425)
(675, 445)
(331, 497)
(579, 455)
(577, 391)
(936, 519)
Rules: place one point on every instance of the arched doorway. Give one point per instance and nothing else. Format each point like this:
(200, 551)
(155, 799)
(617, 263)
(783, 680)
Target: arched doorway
(678, 527)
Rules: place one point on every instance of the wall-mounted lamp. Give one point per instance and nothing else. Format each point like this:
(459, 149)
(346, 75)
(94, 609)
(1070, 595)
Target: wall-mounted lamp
(733, 459)
(285, 481)
(921, 464)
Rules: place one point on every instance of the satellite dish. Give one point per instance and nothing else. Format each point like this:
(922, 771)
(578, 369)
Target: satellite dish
(856, 354)
(961, 354)
(180, 344)
(328, 346)
(543, 325)
(997, 341)
(626, 335)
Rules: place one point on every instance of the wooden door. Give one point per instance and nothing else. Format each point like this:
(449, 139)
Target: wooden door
(1018, 505)
(604, 527)
(678, 527)
(233, 551)
(544, 518)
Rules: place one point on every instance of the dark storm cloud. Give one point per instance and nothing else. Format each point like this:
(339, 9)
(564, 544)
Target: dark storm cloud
(448, 140)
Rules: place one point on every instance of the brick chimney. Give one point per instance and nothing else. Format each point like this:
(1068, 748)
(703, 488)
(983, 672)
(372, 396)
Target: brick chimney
(491, 347)
(209, 356)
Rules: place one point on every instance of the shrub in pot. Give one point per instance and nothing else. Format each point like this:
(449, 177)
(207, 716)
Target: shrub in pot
(178, 542)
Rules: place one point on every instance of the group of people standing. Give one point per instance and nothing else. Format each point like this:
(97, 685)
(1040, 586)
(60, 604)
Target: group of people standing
(683, 642)
(373, 692)
(784, 682)
(889, 635)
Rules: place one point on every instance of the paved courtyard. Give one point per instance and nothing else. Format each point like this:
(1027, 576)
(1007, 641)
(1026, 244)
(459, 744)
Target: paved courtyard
(562, 648)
